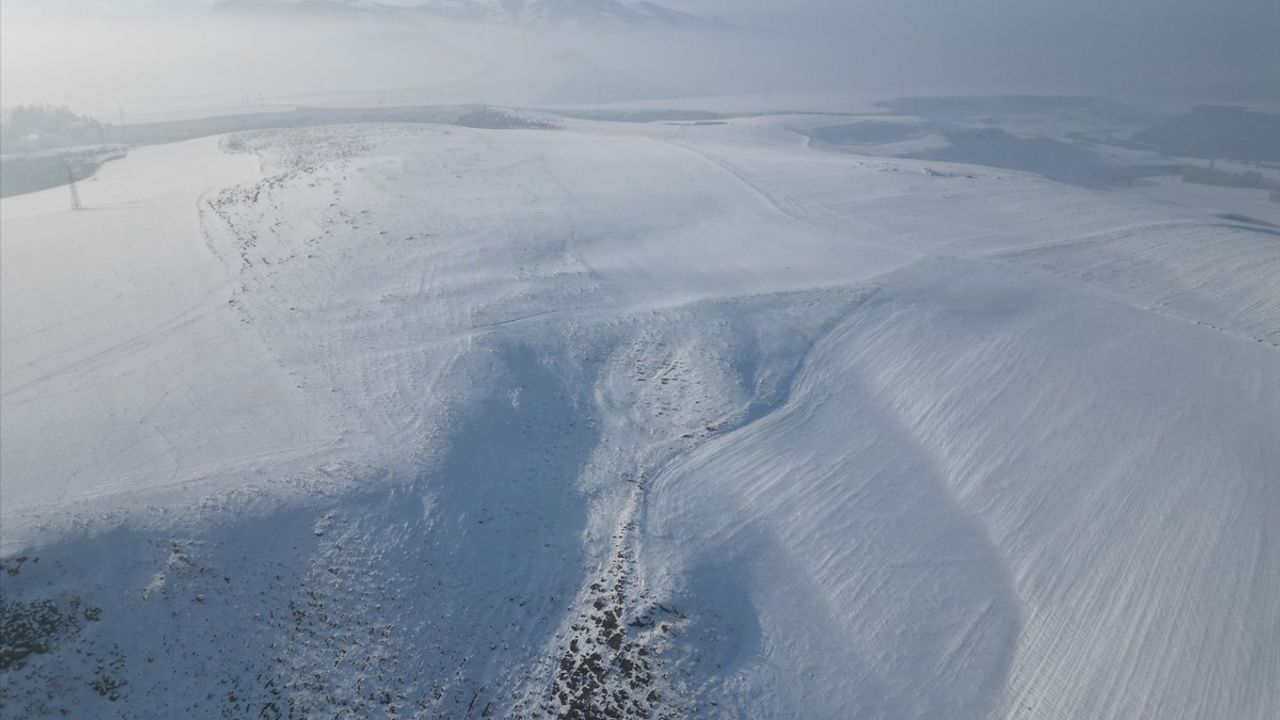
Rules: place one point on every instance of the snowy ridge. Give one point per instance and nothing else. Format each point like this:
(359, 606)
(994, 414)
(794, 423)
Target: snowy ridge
(639, 421)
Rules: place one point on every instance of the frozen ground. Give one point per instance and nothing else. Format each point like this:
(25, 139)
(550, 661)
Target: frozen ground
(632, 420)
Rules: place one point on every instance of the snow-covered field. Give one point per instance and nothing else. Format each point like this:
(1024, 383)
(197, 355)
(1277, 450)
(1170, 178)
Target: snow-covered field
(632, 420)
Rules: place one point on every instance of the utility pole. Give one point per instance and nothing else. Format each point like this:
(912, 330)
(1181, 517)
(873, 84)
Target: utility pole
(75, 194)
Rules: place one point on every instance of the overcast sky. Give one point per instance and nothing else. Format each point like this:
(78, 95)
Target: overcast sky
(1210, 47)
(1223, 50)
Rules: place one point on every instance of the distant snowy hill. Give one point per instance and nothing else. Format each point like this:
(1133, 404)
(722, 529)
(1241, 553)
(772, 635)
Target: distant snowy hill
(303, 8)
(525, 12)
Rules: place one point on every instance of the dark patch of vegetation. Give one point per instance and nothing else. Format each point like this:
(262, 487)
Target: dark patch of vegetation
(108, 686)
(27, 128)
(12, 566)
(304, 117)
(607, 671)
(489, 118)
(640, 116)
(35, 627)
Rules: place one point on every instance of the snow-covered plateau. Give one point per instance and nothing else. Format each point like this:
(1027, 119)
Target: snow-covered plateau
(631, 420)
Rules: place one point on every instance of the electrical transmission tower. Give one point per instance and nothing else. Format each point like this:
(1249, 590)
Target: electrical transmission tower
(75, 194)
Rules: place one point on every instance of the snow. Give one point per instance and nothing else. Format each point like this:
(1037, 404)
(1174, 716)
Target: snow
(667, 421)
(973, 542)
(116, 326)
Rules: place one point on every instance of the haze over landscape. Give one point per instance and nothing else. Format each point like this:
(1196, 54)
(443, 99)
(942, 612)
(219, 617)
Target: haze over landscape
(154, 57)
(603, 359)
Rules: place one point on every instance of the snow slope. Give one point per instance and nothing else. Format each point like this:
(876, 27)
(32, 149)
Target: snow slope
(633, 421)
(116, 324)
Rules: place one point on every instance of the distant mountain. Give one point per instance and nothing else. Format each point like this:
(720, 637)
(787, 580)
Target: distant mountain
(327, 9)
(557, 12)
(524, 12)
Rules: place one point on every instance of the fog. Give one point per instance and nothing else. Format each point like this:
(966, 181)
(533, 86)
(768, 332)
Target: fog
(170, 57)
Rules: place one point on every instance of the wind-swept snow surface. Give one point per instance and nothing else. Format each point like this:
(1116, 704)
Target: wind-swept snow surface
(116, 324)
(632, 421)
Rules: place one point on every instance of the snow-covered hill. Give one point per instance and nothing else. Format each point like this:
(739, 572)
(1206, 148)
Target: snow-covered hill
(631, 420)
